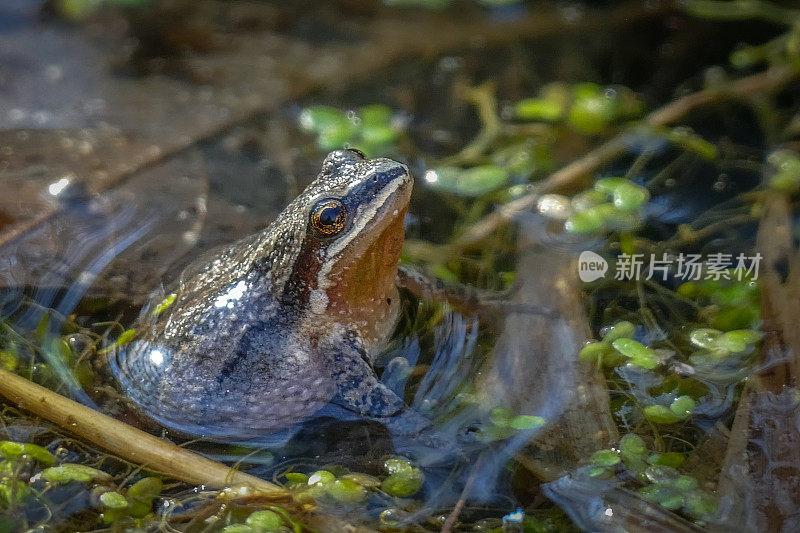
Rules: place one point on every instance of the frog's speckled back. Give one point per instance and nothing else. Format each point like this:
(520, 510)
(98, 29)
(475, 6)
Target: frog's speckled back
(240, 352)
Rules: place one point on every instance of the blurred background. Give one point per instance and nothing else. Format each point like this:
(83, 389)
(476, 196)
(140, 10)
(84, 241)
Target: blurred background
(136, 135)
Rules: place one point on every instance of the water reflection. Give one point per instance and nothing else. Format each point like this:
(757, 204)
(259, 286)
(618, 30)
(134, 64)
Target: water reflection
(454, 378)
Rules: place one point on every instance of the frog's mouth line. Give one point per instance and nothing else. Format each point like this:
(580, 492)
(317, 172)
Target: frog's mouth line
(380, 213)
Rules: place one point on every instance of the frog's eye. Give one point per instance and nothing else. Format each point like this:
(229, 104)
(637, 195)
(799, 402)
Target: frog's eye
(328, 217)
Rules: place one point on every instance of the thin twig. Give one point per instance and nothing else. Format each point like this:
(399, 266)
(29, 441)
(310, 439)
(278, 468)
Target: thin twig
(765, 82)
(691, 236)
(482, 97)
(452, 518)
(128, 442)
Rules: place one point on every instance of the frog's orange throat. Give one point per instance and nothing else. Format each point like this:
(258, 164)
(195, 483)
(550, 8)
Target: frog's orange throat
(362, 287)
(359, 290)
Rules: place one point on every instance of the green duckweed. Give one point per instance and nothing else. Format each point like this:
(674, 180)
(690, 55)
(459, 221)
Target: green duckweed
(320, 118)
(588, 221)
(404, 478)
(469, 182)
(365, 480)
(620, 330)
(637, 353)
(539, 109)
(15, 451)
(672, 459)
(626, 195)
(589, 198)
(73, 472)
(325, 485)
(523, 159)
(686, 483)
(592, 110)
(114, 500)
(264, 521)
(660, 414)
(705, 337)
(141, 495)
(595, 351)
(602, 352)
(346, 491)
(605, 457)
(616, 219)
(607, 186)
(724, 343)
(666, 496)
(377, 135)
(296, 479)
(738, 340)
(403, 485)
(614, 204)
(499, 416)
(321, 476)
(370, 129)
(629, 196)
(238, 528)
(376, 115)
(13, 492)
(691, 142)
(680, 409)
(682, 406)
(632, 444)
(700, 505)
(526, 422)
(673, 490)
(397, 466)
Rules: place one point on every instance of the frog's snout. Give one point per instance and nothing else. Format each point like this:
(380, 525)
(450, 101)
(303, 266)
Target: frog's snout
(388, 172)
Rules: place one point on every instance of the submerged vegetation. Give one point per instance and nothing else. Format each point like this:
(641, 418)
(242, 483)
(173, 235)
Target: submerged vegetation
(673, 200)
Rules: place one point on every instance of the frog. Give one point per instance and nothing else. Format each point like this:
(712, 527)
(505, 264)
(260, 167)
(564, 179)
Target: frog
(270, 329)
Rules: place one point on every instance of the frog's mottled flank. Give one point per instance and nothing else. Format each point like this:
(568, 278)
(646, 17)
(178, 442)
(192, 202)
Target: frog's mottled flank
(285, 321)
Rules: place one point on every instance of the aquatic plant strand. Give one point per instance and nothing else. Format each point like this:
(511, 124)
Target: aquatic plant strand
(128, 442)
(766, 82)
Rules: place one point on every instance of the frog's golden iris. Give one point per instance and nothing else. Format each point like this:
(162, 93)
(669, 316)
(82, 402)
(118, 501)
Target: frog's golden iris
(328, 217)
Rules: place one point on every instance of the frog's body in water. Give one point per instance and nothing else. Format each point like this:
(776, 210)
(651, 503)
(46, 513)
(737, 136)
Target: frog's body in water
(285, 321)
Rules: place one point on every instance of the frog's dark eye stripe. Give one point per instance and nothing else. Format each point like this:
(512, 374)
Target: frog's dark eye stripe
(328, 217)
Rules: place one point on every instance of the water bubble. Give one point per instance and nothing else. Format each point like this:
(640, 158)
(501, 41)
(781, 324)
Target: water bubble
(572, 14)
(554, 206)
(53, 73)
(449, 64)
(59, 186)
(16, 115)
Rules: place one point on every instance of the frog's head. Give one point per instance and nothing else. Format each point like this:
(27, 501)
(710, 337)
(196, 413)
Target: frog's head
(351, 240)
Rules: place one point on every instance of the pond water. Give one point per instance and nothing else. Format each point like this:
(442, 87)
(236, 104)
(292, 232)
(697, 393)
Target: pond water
(602, 336)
